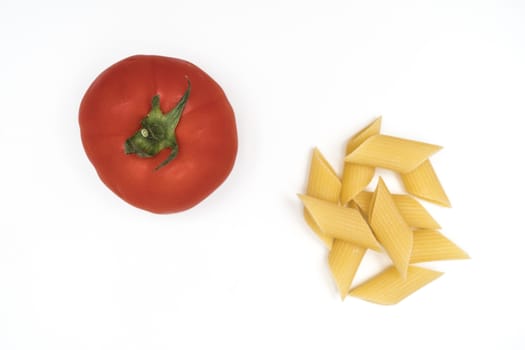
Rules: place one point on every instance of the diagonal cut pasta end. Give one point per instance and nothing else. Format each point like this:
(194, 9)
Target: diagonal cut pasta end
(323, 182)
(389, 287)
(432, 245)
(344, 259)
(414, 213)
(423, 182)
(371, 129)
(327, 241)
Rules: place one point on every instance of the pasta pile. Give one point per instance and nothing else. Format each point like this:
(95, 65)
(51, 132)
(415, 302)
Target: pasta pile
(350, 220)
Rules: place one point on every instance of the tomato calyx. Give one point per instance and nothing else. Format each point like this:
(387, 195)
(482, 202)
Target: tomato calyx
(157, 131)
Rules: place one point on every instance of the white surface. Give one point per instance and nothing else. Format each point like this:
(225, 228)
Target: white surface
(81, 269)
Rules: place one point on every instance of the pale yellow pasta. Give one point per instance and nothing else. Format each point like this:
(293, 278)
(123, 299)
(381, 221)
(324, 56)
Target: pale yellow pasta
(362, 200)
(357, 176)
(344, 259)
(349, 219)
(355, 179)
(390, 228)
(340, 222)
(323, 183)
(327, 240)
(370, 130)
(430, 245)
(389, 287)
(423, 182)
(412, 211)
(389, 152)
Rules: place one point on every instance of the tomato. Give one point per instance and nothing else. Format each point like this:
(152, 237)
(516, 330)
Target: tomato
(159, 131)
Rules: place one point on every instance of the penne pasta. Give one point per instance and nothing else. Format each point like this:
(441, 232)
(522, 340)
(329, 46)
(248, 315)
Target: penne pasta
(357, 176)
(412, 211)
(430, 245)
(389, 152)
(344, 259)
(362, 200)
(389, 287)
(340, 222)
(355, 179)
(323, 183)
(370, 130)
(327, 240)
(423, 182)
(390, 228)
(349, 219)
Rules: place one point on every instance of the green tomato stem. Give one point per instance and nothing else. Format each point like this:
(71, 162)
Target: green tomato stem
(157, 131)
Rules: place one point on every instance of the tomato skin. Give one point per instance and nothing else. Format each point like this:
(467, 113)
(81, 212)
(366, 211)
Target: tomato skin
(112, 109)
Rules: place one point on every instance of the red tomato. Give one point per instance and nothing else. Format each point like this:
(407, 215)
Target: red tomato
(164, 157)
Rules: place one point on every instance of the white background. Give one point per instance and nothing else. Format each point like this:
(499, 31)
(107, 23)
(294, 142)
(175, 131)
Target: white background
(81, 269)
